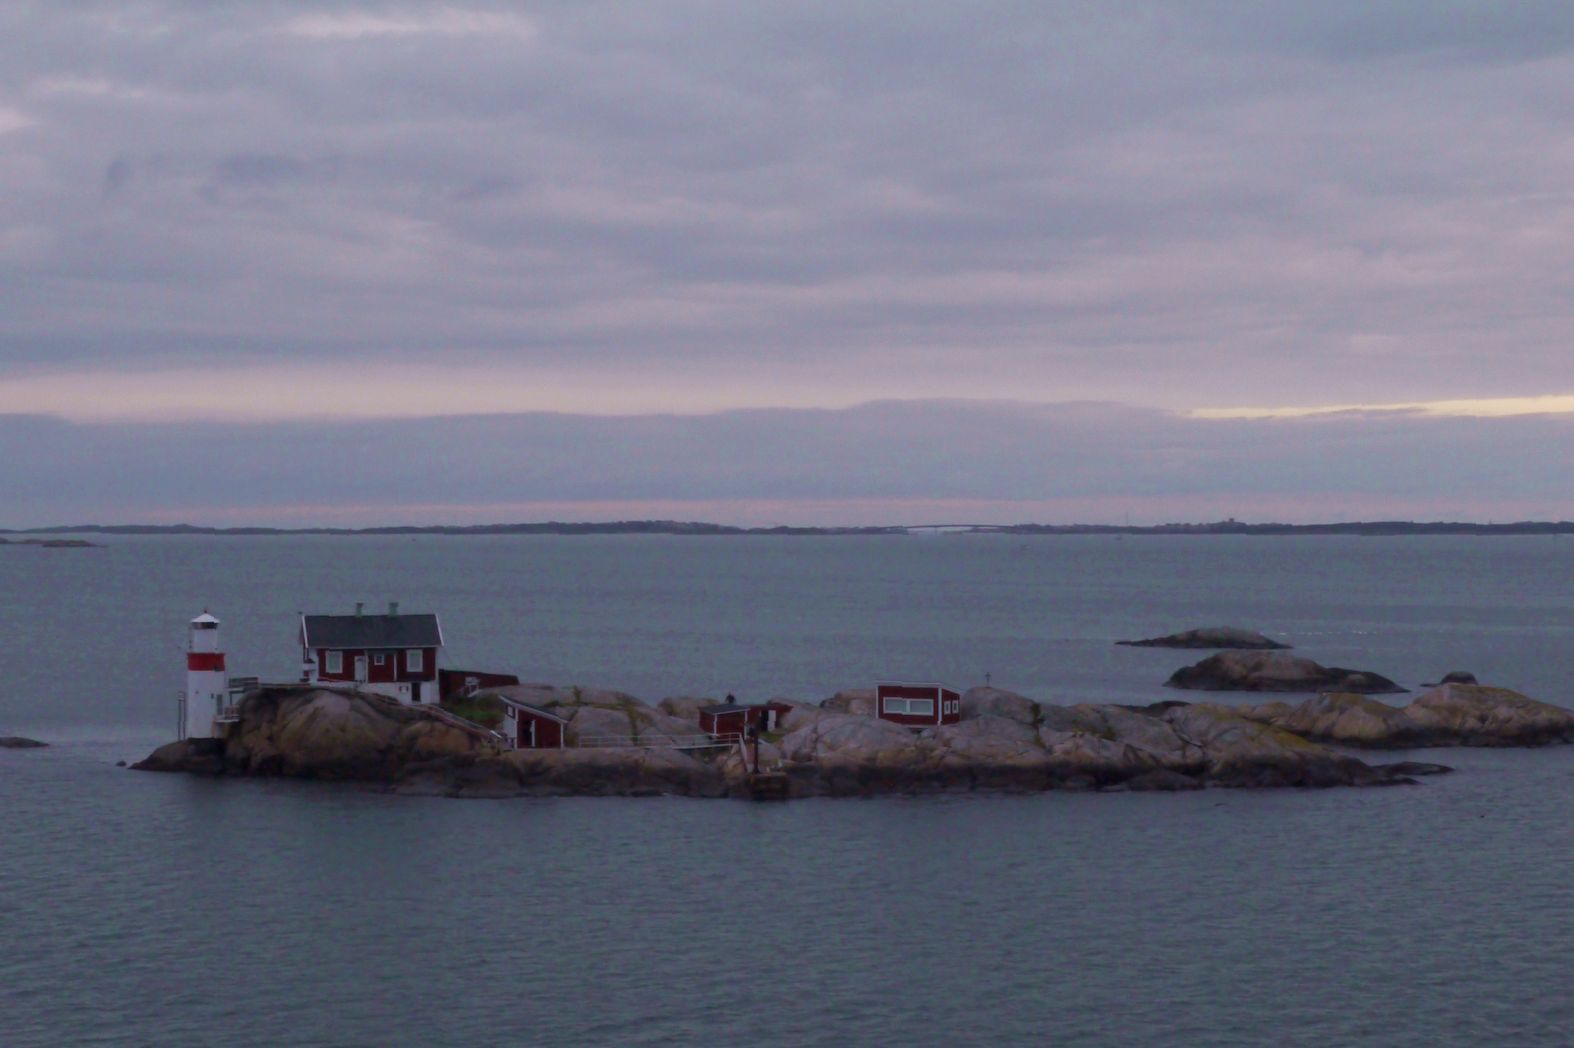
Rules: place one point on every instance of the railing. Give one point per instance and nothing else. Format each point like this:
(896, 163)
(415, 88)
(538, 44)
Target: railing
(665, 742)
(227, 715)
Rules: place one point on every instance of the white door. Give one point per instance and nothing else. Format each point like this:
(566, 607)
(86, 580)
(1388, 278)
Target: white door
(360, 668)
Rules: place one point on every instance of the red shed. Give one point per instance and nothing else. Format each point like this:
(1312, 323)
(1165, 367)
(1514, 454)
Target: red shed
(528, 727)
(771, 715)
(457, 684)
(727, 718)
(917, 705)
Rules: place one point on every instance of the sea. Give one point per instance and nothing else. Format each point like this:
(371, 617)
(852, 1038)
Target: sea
(147, 909)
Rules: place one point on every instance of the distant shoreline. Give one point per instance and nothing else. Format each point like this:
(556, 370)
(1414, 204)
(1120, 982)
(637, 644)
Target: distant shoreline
(672, 527)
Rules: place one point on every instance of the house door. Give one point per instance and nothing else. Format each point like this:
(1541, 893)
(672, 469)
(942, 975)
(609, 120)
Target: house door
(527, 734)
(360, 668)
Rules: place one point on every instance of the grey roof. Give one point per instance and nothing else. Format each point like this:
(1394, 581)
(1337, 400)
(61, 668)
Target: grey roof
(372, 631)
(726, 707)
(505, 700)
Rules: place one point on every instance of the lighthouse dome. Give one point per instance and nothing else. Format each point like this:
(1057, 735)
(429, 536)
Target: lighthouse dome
(205, 622)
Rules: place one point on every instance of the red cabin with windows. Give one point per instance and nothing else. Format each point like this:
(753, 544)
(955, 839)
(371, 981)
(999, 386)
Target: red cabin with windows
(528, 727)
(917, 705)
(393, 654)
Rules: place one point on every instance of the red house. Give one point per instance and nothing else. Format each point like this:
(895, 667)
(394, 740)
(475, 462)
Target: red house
(917, 705)
(393, 654)
(528, 727)
(727, 718)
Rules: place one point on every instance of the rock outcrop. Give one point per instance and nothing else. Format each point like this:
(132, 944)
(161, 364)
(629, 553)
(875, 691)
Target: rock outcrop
(859, 701)
(1448, 715)
(1210, 637)
(1275, 671)
(1165, 747)
(16, 742)
(323, 733)
(1005, 742)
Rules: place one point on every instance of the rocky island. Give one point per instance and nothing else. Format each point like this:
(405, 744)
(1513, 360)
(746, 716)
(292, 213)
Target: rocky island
(1210, 637)
(1275, 671)
(1004, 742)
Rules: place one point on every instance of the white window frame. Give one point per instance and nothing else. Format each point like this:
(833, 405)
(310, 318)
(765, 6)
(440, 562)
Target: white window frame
(378, 658)
(910, 707)
(333, 662)
(415, 660)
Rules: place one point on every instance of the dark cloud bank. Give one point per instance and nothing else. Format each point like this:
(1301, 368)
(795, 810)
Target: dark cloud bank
(878, 456)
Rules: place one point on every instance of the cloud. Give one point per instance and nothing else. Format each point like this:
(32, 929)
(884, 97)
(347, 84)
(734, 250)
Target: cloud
(1479, 408)
(1177, 204)
(13, 120)
(442, 21)
(880, 462)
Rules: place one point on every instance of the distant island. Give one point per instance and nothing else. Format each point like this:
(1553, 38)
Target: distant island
(679, 527)
(49, 543)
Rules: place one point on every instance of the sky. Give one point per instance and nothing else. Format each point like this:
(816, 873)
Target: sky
(851, 262)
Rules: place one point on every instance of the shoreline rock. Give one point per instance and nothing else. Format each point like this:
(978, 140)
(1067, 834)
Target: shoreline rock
(1227, 637)
(1448, 715)
(17, 742)
(1275, 671)
(1005, 743)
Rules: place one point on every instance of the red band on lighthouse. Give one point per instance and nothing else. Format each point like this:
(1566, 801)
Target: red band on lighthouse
(205, 660)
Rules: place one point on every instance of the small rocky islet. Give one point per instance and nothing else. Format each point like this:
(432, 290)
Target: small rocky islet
(1210, 637)
(1005, 742)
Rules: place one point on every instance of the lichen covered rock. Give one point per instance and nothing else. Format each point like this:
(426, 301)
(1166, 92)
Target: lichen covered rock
(1449, 715)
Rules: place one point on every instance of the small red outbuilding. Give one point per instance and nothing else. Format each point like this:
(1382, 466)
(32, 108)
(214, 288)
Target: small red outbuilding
(727, 718)
(458, 684)
(528, 727)
(917, 705)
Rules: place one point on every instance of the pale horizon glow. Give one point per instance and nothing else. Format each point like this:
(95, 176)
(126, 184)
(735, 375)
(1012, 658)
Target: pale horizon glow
(350, 390)
(1482, 407)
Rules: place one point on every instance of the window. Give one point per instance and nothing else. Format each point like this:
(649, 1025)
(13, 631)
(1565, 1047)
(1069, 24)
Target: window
(333, 662)
(379, 658)
(911, 707)
(413, 660)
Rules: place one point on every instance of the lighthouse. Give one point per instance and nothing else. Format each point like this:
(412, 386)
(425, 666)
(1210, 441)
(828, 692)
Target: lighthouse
(207, 687)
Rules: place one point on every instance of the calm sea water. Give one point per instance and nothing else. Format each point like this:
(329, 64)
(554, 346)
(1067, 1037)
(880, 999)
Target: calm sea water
(143, 909)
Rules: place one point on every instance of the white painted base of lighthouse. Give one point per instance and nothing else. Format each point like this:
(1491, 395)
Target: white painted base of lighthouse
(207, 693)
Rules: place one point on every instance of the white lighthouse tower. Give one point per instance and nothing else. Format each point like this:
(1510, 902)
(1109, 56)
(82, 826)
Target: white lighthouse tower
(207, 686)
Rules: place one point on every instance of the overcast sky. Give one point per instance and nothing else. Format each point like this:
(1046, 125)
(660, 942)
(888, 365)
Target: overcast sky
(251, 223)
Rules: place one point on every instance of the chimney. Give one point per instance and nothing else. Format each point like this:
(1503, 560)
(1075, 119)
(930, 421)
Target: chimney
(393, 607)
(359, 606)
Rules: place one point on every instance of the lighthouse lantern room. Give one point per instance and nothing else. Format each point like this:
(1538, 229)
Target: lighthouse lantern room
(207, 686)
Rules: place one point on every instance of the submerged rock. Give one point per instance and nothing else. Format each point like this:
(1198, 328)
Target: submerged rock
(1448, 715)
(16, 742)
(1210, 637)
(1275, 671)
